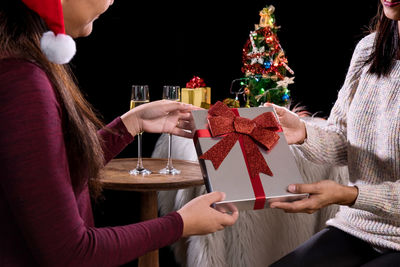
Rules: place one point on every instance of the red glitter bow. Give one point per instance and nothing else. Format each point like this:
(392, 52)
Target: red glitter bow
(261, 131)
(195, 82)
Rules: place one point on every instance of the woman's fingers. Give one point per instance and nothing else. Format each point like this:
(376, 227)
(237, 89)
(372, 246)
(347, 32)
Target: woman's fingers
(229, 219)
(304, 188)
(171, 106)
(321, 194)
(182, 132)
(183, 124)
(280, 111)
(306, 205)
(200, 218)
(226, 218)
(233, 214)
(213, 197)
(185, 116)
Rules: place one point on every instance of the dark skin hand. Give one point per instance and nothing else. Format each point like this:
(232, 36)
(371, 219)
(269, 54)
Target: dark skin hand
(321, 194)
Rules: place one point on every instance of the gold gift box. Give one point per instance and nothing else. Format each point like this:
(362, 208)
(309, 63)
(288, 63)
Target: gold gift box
(200, 96)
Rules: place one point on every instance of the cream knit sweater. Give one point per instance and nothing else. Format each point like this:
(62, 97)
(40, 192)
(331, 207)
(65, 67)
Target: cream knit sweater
(363, 132)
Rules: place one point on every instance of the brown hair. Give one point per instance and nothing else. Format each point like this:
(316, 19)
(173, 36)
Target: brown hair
(386, 46)
(20, 33)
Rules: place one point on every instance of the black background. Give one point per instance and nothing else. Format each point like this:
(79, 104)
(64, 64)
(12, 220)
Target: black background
(144, 42)
(168, 42)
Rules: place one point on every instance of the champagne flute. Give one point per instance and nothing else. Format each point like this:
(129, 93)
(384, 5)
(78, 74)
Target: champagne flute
(139, 96)
(170, 93)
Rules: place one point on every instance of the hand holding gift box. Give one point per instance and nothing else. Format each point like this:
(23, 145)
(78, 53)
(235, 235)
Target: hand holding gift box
(196, 93)
(243, 153)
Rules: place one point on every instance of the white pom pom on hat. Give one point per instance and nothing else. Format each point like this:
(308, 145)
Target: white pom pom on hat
(58, 47)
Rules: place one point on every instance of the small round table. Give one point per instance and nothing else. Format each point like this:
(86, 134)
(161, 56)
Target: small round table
(116, 176)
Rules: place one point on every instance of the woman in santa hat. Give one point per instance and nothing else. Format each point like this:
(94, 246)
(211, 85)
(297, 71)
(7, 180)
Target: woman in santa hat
(52, 147)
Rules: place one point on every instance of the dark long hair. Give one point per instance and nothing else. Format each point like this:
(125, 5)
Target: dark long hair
(386, 47)
(20, 33)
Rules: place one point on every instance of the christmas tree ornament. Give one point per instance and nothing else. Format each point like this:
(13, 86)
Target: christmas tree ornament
(267, 20)
(57, 46)
(257, 55)
(285, 82)
(265, 65)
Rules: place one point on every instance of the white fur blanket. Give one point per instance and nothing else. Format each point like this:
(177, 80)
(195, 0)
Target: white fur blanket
(259, 237)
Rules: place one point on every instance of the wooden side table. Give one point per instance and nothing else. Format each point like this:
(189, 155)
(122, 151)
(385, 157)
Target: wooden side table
(116, 176)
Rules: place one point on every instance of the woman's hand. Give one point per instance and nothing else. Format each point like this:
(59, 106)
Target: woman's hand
(293, 128)
(162, 116)
(322, 194)
(200, 218)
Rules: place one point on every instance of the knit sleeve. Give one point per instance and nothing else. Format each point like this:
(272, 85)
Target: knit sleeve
(115, 137)
(382, 199)
(37, 191)
(328, 144)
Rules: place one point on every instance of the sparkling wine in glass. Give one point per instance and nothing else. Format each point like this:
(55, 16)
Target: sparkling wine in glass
(139, 96)
(171, 93)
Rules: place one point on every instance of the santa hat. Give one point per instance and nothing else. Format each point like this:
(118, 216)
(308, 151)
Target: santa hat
(58, 47)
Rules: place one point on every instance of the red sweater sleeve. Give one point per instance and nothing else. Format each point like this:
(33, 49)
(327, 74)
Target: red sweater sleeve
(114, 139)
(36, 194)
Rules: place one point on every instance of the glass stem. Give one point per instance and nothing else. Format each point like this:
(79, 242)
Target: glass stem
(139, 160)
(169, 164)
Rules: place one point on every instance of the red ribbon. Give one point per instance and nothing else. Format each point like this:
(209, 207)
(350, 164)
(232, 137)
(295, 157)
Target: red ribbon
(260, 131)
(195, 82)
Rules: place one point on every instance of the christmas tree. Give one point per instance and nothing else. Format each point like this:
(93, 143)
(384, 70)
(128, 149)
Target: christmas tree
(264, 66)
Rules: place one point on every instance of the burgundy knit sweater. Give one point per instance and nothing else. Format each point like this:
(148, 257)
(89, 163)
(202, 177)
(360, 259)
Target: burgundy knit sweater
(43, 220)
